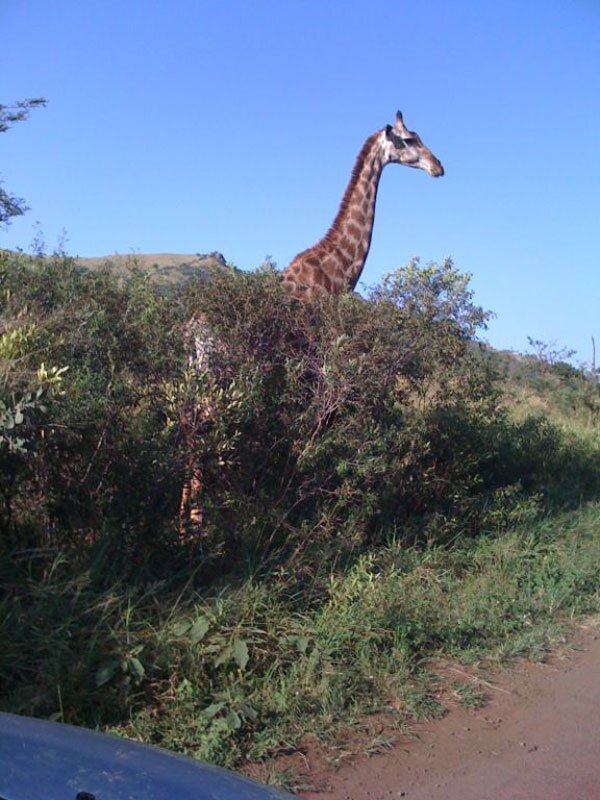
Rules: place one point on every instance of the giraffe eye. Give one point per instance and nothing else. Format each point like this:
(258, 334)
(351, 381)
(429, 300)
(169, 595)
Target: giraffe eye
(410, 141)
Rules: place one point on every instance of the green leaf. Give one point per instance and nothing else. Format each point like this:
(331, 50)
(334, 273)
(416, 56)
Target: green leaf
(300, 643)
(213, 709)
(182, 628)
(240, 653)
(199, 630)
(18, 417)
(136, 666)
(234, 723)
(106, 673)
(249, 712)
(223, 656)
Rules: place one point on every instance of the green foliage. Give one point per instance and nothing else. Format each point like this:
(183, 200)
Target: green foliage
(339, 422)
(18, 112)
(241, 670)
(11, 206)
(93, 449)
(360, 458)
(331, 425)
(550, 357)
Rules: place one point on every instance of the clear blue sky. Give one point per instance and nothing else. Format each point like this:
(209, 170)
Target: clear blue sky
(197, 125)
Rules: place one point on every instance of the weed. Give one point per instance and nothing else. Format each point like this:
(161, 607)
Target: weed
(381, 743)
(468, 695)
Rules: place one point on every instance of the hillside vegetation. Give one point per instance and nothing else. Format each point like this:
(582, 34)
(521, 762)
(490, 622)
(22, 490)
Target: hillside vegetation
(166, 270)
(379, 488)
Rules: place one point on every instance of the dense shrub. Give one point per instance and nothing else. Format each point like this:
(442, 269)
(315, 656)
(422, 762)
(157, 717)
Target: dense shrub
(330, 425)
(97, 460)
(332, 422)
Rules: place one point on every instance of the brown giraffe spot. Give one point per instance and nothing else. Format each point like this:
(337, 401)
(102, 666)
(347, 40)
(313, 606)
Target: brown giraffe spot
(339, 276)
(353, 231)
(326, 281)
(304, 274)
(347, 260)
(357, 216)
(347, 246)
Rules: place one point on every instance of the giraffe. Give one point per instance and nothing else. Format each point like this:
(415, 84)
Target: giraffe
(332, 266)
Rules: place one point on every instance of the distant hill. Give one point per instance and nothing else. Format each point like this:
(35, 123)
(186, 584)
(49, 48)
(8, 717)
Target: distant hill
(166, 269)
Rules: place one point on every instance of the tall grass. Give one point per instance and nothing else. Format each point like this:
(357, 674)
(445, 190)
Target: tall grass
(244, 669)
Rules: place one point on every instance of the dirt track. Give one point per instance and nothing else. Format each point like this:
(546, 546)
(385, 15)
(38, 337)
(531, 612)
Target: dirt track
(538, 738)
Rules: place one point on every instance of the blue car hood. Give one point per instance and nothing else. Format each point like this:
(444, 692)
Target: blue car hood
(41, 760)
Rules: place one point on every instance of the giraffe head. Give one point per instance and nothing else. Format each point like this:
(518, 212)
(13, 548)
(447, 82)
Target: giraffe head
(402, 146)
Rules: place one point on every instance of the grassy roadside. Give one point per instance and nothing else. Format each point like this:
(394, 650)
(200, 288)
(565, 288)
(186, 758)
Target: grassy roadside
(245, 670)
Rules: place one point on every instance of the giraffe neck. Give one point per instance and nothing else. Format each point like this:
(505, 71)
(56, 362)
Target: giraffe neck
(335, 263)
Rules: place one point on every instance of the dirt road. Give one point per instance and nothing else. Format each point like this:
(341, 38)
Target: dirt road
(538, 738)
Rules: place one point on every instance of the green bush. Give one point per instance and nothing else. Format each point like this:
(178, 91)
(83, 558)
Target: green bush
(99, 461)
(331, 425)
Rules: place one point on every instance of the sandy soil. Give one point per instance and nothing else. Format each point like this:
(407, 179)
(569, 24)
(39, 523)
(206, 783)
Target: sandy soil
(537, 738)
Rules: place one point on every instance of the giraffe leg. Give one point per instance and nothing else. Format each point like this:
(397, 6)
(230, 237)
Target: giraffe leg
(196, 510)
(184, 504)
(191, 511)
